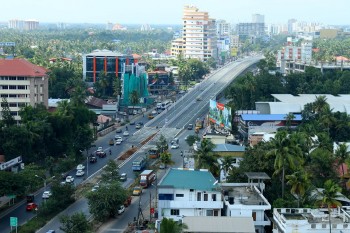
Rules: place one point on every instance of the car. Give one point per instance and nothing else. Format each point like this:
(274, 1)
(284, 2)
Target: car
(137, 191)
(118, 138)
(174, 141)
(181, 92)
(111, 142)
(132, 123)
(174, 146)
(140, 123)
(80, 173)
(119, 130)
(118, 142)
(190, 126)
(69, 179)
(92, 159)
(123, 177)
(162, 166)
(46, 194)
(80, 167)
(100, 148)
(198, 98)
(50, 231)
(137, 126)
(95, 188)
(126, 133)
(121, 209)
(101, 154)
(31, 206)
(154, 112)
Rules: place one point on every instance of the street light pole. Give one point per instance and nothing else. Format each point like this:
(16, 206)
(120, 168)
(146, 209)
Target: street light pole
(183, 159)
(43, 180)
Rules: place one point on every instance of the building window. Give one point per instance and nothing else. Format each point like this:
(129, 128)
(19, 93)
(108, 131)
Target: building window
(4, 87)
(12, 78)
(21, 87)
(165, 197)
(205, 196)
(174, 212)
(180, 195)
(21, 78)
(12, 96)
(4, 95)
(199, 196)
(13, 105)
(13, 87)
(213, 197)
(210, 213)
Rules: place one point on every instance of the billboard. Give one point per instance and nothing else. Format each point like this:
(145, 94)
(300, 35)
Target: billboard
(220, 114)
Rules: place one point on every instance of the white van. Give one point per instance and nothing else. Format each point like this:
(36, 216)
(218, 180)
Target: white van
(159, 105)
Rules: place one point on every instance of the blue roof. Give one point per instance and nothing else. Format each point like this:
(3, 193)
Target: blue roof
(189, 179)
(268, 117)
(228, 148)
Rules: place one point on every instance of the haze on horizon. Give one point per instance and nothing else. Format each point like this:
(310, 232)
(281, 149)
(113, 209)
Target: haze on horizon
(170, 12)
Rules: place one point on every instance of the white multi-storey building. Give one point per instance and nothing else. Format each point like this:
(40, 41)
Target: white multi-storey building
(198, 35)
(222, 28)
(22, 83)
(188, 193)
(306, 220)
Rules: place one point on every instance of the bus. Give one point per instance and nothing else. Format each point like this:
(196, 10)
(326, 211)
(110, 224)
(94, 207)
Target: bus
(153, 153)
(166, 104)
(139, 164)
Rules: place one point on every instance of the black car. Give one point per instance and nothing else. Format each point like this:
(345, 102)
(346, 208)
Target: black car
(92, 159)
(140, 123)
(132, 123)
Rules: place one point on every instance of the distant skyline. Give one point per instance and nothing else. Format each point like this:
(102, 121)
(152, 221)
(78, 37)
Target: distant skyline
(331, 12)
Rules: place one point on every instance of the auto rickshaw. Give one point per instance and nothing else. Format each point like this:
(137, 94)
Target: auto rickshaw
(196, 130)
(111, 142)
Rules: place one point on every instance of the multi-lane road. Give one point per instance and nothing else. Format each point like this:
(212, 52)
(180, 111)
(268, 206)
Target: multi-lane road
(169, 123)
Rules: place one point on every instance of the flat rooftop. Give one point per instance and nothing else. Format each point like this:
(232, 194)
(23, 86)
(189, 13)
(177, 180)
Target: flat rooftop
(243, 195)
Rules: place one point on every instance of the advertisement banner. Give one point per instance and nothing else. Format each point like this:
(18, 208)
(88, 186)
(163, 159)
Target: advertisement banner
(220, 114)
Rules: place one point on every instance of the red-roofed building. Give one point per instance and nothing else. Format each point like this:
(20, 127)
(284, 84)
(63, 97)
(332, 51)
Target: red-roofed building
(22, 83)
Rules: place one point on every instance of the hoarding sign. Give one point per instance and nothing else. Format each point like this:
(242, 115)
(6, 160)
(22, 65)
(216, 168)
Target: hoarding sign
(220, 115)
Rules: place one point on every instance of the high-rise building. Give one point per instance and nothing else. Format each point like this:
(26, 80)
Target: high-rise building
(199, 35)
(22, 83)
(222, 28)
(16, 24)
(257, 18)
(31, 24)
(250, 29)
(290, 25)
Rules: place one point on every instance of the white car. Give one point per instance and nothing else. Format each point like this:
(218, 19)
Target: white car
(80, 167)
(174, 146)
(69, 179)
(118, 138)
(121, 209)
(126, 133)
(80, 173)
(99, 148)
(137, 126)
(46, 194)
(95, 188)
(118, 142)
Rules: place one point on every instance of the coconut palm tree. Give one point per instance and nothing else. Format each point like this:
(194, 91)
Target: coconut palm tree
(299, 181)
(205, 158)
(342, 154)
(329, 198)
(226, 165)
(286, 155)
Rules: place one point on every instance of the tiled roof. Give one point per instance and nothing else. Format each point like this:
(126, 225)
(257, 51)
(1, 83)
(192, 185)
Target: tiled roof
(189, 179)
(95, 102)
(20, 67)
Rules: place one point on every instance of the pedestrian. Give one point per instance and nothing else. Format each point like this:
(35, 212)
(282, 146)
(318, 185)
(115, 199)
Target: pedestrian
(126, 127)
(110, 152)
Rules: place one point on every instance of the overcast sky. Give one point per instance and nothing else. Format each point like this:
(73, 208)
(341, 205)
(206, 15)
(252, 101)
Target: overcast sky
(170, 11)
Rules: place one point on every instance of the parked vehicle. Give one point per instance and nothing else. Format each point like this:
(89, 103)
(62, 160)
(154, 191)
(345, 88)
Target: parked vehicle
(95, 188)
(123, 177)
(199, 123)
(174, 146)
(174, 141)
(126, 133)
(31, 206)
(137, 126)
(119, 130)
(190, 126)
(101, 154)
(147, 177)
(121, 209)
(46, 194)
(127, 202)
(118, 138)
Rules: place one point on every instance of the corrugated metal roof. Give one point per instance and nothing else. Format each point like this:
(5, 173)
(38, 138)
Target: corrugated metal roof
(219, 224)
(268, 117)
(228, 148)
(189, 179)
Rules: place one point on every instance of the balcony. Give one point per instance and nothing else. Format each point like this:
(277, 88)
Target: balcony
(191, 204)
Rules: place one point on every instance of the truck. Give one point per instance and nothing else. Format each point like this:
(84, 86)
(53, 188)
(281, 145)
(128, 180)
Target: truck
(199, 123)
(146, 178)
